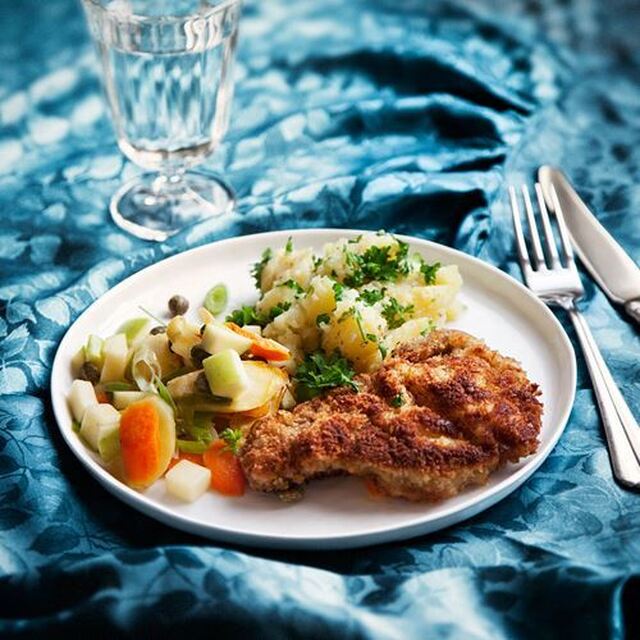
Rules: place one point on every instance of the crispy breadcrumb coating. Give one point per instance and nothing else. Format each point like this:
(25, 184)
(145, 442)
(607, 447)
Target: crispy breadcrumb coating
(440, 414)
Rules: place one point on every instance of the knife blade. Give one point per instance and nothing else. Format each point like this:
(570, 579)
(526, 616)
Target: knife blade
(607, 262)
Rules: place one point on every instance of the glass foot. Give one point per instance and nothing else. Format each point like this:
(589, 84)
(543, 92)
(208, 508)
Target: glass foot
(154, 207)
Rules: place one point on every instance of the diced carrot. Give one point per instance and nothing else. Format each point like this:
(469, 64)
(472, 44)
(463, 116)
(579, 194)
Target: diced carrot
(196, 458)
(102, 397)
(140, 443)
(226, 473)
(262, 347)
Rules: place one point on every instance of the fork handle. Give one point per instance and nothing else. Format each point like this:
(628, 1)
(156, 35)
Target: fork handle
(621, 428)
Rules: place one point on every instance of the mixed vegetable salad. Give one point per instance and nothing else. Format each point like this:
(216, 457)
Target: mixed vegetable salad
(172, 399)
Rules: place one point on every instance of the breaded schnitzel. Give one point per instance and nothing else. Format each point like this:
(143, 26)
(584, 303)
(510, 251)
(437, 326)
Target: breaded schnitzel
(440, 414)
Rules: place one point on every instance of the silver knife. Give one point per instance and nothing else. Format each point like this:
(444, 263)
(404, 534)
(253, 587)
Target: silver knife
(616, 273)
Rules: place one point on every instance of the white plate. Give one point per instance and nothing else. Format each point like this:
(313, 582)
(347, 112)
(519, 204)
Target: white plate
(337, 512)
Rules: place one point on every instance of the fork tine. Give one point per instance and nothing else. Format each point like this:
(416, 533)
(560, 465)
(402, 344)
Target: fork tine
(550, 243)
(565, 240)
(538, 256)
(523, 252)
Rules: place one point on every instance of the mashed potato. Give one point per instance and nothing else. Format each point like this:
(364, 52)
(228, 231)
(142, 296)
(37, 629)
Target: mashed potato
(361, 297)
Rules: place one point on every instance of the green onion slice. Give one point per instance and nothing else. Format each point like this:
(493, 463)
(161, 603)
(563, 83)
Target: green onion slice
(191, 446)
(216, 299)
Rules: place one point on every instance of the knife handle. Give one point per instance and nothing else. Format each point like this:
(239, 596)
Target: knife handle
(620, 426)
(633, 309)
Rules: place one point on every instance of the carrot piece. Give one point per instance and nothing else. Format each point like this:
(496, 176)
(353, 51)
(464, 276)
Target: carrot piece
(196, 458)
(226, 473)
(140, 443)
(262, 347)
(102, 397)
(269, 350)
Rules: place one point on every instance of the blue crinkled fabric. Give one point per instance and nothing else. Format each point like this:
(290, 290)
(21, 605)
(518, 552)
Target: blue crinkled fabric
(410, 115)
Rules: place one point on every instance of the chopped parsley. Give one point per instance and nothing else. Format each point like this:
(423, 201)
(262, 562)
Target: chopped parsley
(371, 296)
(258, 267)
(338, 290)
(278, 309)
(396, 314)
(288, 248)
(428, 329)
(292, 284)
(317, 261)
(429, 271)
(233, 438)
(377, 264)
(319, 373)
(322, 318)
(397, 400)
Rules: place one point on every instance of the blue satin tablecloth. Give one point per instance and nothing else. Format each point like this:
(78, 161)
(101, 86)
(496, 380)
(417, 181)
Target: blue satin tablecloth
(410, 115)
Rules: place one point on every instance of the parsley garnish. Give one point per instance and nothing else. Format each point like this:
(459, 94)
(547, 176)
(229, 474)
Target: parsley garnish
(338, 289)
(377, 264)
(319, 373)
(397, 400)
(233, 438)
(394, 313)
(258, 267)
(248, 315)
(288, 248)
(317, 261)
(429, 271)
(245, 315)
(322, 318)
(371, 296)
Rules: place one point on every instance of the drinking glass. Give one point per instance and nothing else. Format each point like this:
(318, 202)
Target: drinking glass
(167, 74)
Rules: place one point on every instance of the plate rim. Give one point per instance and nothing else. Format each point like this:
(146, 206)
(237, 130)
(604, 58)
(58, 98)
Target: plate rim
(419, 525)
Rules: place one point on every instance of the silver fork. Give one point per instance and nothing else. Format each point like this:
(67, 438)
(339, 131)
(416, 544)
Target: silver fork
(555, 280)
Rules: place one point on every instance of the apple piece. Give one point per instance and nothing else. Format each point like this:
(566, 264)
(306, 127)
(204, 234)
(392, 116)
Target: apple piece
(187, 480)
(122, 399)
(217, 338)
(81, 396)
(109, 442)
(225, 374)
(97, 418)
(265, 383)
(93, 351)
(116, 352)
(135, 330)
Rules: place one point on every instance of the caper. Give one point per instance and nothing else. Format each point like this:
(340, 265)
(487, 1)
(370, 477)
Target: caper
(202, 384)
(159, 329)
(90, 372)
(198, 354)
(178, 305)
